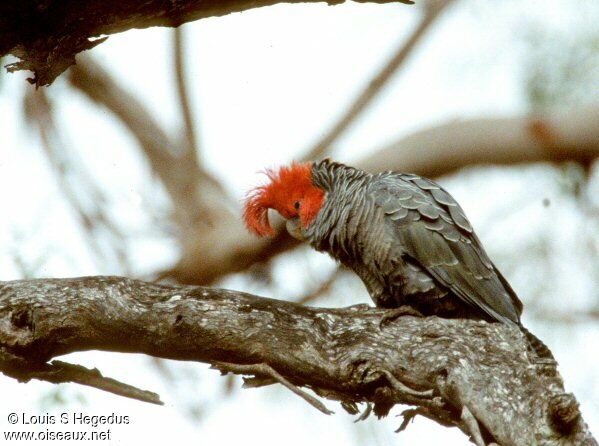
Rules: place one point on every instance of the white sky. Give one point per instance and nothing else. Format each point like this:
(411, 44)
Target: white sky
(266, 84)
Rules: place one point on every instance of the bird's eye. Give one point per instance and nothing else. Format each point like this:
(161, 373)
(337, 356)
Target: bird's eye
(296, 205)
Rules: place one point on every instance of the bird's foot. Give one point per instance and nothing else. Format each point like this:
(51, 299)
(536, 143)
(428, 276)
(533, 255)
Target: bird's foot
(365, 414)
(366, 372)
(404, 310)
(545, 366)
(359, 307)
(409, 415)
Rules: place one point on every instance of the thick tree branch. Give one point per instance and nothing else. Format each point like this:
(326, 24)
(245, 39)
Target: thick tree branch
(555, 136)
(470, 374)
(47, 34)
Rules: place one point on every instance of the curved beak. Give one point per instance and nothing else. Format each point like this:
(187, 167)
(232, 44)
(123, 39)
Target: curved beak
(294, 227)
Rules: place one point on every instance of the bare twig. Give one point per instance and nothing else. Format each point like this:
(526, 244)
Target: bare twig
(472, 425)
(408, 416)
(364, 415)
(62, 372)
(179, 47)
(265, 370)
(432, 9)
(402, 388)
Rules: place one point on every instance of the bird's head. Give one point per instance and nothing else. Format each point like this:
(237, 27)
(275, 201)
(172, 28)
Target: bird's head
(291, 193)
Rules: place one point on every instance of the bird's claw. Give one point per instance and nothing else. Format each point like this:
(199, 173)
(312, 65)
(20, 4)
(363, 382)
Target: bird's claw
(365, 414)
(408, 415)
(350, 407)
(366, 372)
(359, 307)
(404, 310)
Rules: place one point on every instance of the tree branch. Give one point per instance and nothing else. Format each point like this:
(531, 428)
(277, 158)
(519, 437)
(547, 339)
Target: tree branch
(179, 49)
(58, 372)
(47, 35)
(198, 199)
(473, 375)
(556, 136)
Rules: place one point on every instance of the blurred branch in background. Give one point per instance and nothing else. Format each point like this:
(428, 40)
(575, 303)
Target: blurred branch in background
(206, 215)
(431, 10)
(213, 239)
(174, 164)
(553, 136)
(211, 251)
(179, 50)
(85, 198)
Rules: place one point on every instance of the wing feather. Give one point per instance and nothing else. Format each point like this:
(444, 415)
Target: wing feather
(435, 234)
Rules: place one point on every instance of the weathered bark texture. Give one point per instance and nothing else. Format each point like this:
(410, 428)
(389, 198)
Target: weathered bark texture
(47, 34)
(470, 374)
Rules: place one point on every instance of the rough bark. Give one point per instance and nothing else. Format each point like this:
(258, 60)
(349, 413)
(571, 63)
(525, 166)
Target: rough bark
(47, 34)
(470, 374)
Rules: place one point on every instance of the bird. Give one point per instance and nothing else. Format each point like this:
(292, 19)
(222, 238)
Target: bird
(404, 235)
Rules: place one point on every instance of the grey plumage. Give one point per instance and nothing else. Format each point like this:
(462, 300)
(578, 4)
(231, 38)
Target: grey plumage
(410, 242)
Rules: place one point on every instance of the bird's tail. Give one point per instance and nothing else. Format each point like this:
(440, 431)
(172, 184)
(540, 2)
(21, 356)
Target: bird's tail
(538, 347)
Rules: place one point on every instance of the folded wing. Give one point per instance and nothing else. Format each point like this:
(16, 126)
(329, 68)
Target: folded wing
(435, 234)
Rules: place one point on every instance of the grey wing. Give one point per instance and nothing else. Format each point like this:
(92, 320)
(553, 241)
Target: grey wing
(435, 233)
